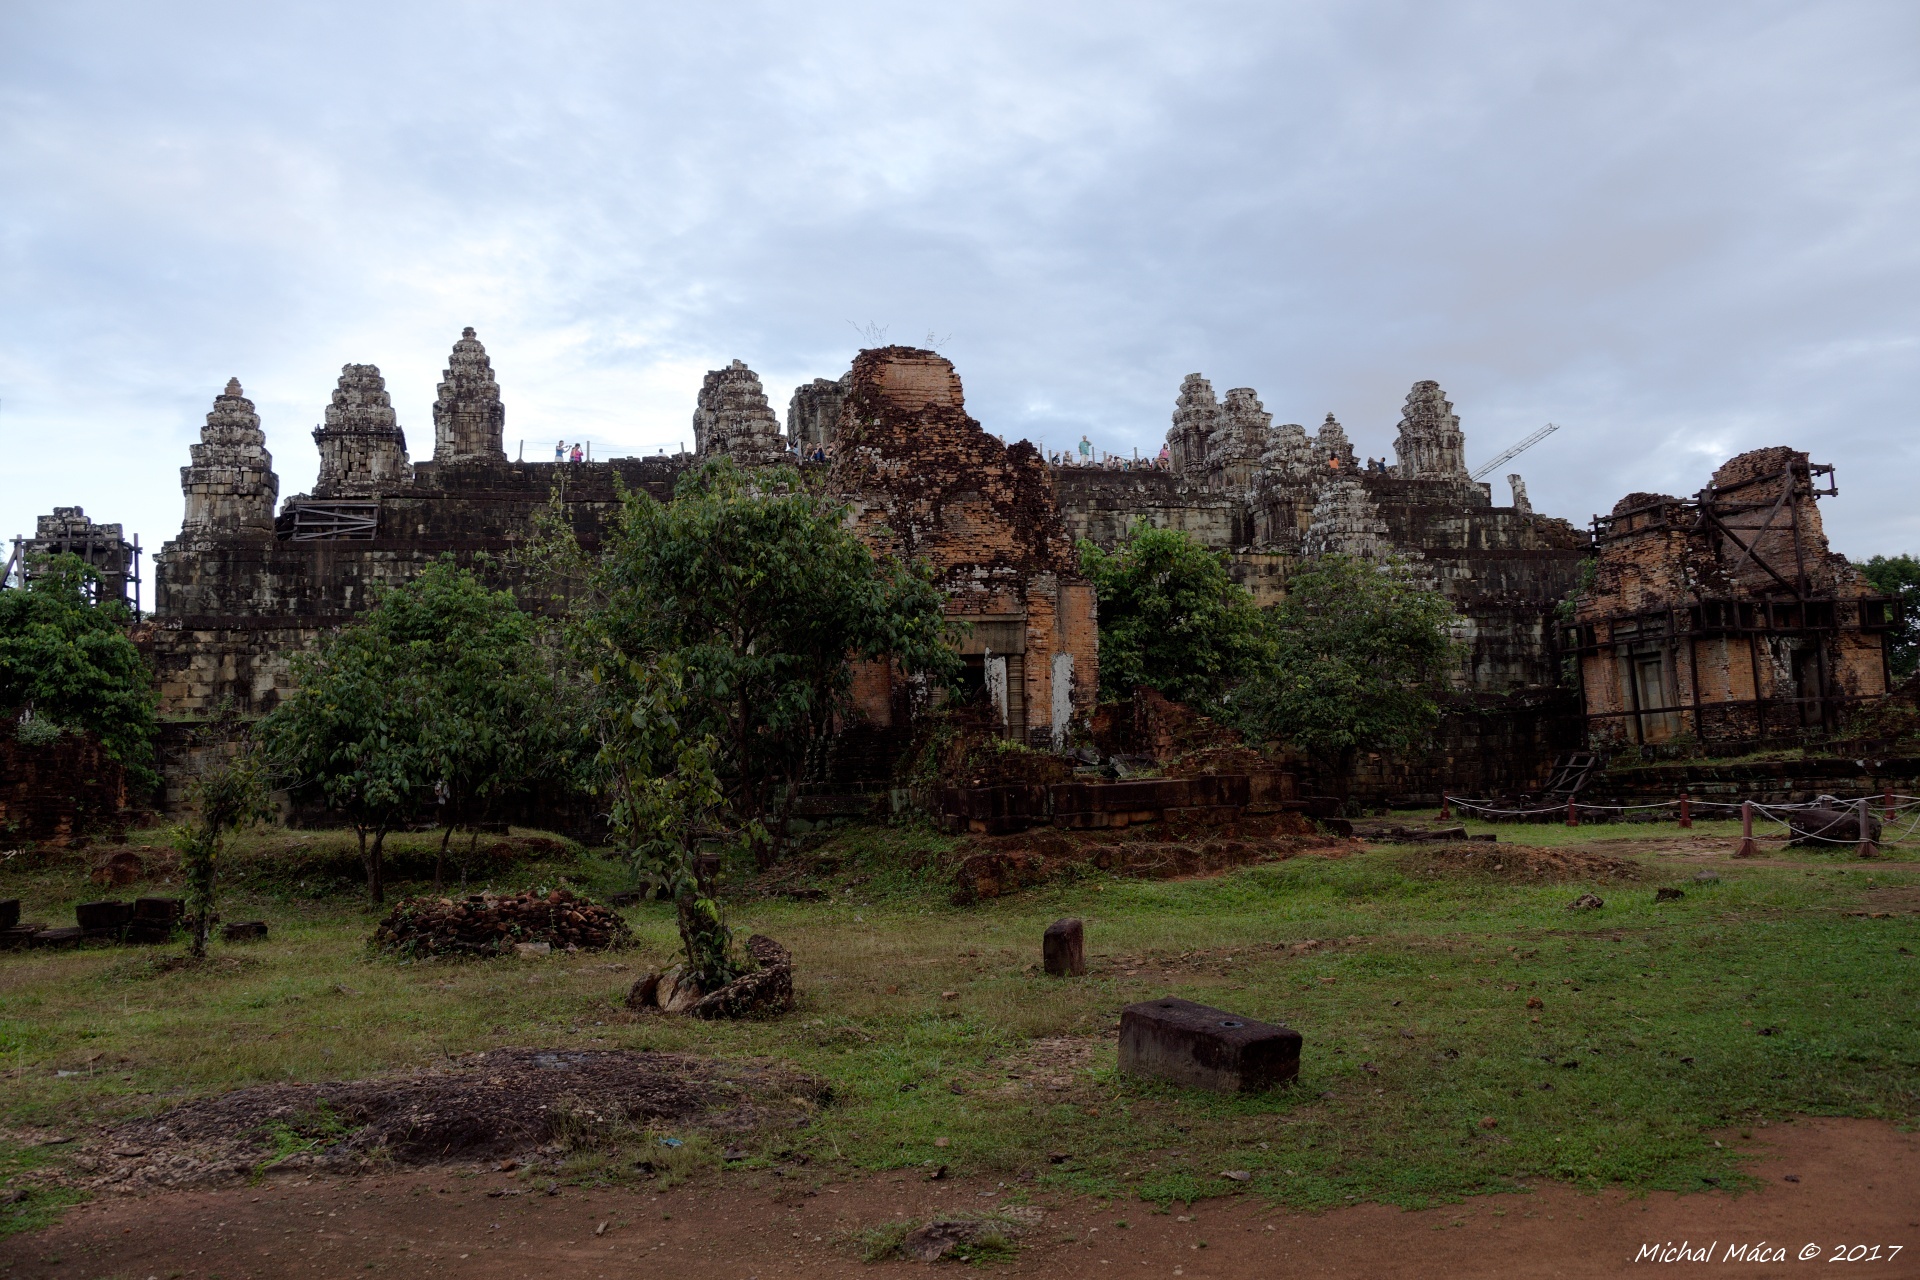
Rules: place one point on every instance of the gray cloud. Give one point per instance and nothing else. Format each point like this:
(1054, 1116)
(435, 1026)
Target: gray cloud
(1679, 231)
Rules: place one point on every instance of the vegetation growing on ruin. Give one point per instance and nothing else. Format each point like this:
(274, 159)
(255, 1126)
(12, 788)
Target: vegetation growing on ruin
(1360, 657)
(1899, 576)
(67, 665)
(1172, 618)
(759, 594)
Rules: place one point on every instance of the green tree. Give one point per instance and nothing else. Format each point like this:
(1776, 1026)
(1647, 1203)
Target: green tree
(666, 804)
(66, 662)
(439, 694)
(354, 731)
(1899, 576)
(1360, 656)
(489, 727)
(1171, 618)
(761, 595)
(229, 790)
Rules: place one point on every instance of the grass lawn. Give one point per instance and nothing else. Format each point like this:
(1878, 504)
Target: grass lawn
(1425, 1077)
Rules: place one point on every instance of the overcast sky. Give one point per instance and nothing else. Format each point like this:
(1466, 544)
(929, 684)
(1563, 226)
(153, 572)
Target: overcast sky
(1677, 230)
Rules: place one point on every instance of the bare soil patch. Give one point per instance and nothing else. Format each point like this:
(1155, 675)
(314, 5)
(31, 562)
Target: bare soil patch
(1852, 1184)
(1521, 863)
(507, 1102)
(993, 866)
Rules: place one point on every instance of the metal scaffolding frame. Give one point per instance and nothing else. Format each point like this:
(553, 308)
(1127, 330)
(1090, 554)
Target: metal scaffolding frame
(1793, 610)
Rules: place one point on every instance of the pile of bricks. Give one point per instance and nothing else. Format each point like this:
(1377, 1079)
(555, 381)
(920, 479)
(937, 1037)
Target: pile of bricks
(494, 924)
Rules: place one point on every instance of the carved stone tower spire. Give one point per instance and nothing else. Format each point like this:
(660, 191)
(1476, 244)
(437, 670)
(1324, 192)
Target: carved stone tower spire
(468, 419)
(1196, 416)
(1430, 445)
(1234, 452)
(732, 417)
(1330, 444)
(230, 487)
(363, 451)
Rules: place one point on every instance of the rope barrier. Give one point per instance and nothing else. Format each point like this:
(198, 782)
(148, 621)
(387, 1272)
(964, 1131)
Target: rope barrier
(1854, 814)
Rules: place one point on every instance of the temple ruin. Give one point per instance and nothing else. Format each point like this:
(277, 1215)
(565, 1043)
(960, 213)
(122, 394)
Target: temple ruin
(927, 483)
(1724, 617)
(68, 531)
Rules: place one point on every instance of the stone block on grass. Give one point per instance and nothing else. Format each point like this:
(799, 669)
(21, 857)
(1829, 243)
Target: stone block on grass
(102, 917)
(1064, 948)
(1203, 1048)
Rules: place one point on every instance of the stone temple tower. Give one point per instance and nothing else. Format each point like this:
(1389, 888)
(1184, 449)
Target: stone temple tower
(230, 487)
(1196, 416)
(732, 417)
(1236, 446)
(468, 419)
(1430, 445)
(363, 451)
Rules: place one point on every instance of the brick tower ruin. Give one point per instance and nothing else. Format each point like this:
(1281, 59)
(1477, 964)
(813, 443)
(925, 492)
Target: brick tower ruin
(1725, 616)
(928, 483)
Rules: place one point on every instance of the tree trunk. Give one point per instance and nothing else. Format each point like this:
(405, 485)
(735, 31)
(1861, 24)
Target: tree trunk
(377, 867)
(440, 859)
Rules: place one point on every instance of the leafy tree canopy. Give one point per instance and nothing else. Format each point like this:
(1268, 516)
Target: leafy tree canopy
(761, 594)
(438, 694)
(1899, 576)
(66, 661)
(1360, 655)
(1172, 618)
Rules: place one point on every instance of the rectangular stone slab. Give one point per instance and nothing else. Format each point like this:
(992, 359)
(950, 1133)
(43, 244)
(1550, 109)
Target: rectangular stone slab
(1203, 1048)
(110, 914)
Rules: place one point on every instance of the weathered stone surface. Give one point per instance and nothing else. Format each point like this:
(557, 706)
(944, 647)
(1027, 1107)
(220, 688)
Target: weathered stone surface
(1205, 1048)
(64, 792)
(69, 531)
(1331, 448)
(1236, 446)
(813, 414)
(1345, 522)
(1832, 824)
(230, 486)
(1196, 416)
(469, 422)
(732, 417)
(1063, 948)
(1430, 445)
(109, 914)
(363, 451)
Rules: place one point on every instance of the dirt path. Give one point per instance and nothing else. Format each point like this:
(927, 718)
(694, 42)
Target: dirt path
(1858, 1184)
